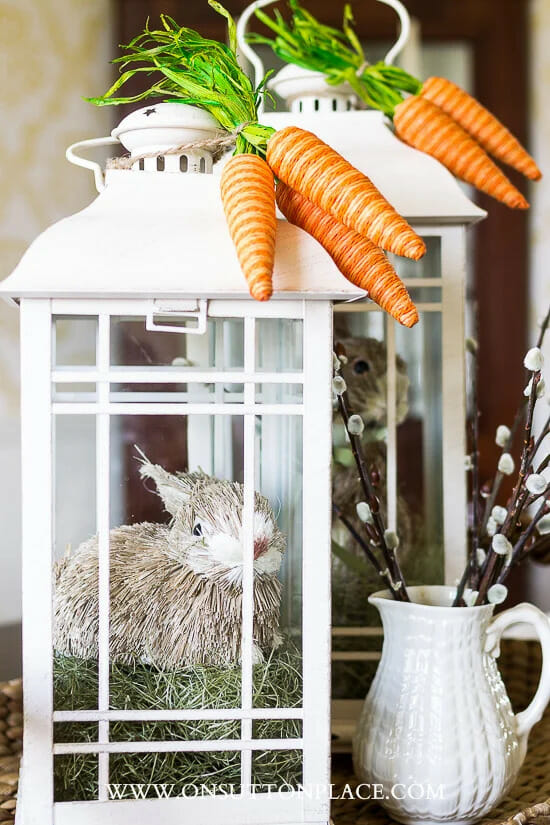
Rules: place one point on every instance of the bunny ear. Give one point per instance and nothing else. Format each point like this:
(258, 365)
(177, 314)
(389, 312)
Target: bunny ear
(173, 489)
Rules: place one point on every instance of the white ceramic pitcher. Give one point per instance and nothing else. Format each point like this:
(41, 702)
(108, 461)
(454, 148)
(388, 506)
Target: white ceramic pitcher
(437, 735)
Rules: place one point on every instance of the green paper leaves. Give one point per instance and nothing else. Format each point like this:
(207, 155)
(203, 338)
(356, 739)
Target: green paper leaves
(188, 68)
(337, 54)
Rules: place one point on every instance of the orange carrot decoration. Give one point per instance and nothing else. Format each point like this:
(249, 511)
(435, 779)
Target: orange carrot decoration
(357, 258)
(248, 196)
(425, 126)
(338, 55)
(481, 124)
(302, 161)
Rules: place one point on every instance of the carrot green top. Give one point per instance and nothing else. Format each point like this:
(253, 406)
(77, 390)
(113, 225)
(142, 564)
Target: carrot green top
(338, 54)
(188, 68)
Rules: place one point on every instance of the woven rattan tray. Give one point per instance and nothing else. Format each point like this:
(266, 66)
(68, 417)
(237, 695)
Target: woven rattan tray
(520, 665)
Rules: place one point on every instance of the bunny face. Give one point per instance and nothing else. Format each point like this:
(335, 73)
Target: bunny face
(365, 374)
(208, 530)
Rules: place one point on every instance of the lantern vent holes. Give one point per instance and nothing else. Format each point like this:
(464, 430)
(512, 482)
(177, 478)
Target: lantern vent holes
(338, 103)
(194, 162)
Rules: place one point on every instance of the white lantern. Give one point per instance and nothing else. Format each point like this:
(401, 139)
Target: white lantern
(425, 456)
(249, 386)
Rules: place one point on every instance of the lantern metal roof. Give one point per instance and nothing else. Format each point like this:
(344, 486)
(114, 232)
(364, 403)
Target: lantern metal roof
(417, 185)
(156, 233)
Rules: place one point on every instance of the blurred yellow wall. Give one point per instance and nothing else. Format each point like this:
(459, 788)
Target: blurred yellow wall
(52, 52)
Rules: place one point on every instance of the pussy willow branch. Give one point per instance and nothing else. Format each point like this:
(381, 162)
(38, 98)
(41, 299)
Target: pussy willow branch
(543, 329)
(399, 589)
(543, 433)
(499, 477)
(519, 553)
(384, 574)
(471, 569)
(475, 467)
(491, 563)
(526, 456)
(519, 416)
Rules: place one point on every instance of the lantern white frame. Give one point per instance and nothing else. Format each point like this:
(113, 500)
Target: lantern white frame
(451, 308)
(38, 413)
(150, 277)
(426, 194)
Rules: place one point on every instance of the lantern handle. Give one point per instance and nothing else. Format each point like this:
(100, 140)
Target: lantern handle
(244, 48)
(257, 62)
(404, 34)
(188, 310)
(95, 167)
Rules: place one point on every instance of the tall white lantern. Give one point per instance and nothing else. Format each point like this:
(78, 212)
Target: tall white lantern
(248, 386)
(424, 429)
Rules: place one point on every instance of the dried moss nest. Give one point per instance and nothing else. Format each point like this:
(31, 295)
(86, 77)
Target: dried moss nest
(276, 683)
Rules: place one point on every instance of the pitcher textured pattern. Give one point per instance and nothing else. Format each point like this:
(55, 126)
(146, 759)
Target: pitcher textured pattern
(437, 720)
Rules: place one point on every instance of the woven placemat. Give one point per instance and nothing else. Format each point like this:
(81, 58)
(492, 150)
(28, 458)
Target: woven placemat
(520, 664)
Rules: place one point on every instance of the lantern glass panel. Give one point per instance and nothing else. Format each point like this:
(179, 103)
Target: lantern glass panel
(66, 767)
(288, 775)
(395, 383)
(428, 267)
(279, 344)
(74, 341)
(136, 411)
(75, 481)
(134, 345)
(279, 475)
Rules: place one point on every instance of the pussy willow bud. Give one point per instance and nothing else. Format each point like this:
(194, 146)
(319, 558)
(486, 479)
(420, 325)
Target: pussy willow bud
(501, 545)
(536, 484)
(364, 512)
(534, 360)
(497, 594)
(355, 425)
(338, 385)
(506, 464)
(499, 514)
(392, 540)
(503, 434)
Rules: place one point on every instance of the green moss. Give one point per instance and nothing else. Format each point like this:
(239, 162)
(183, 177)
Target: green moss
(276, 683)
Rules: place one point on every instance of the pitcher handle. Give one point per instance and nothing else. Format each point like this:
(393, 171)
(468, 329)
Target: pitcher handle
(525, 614)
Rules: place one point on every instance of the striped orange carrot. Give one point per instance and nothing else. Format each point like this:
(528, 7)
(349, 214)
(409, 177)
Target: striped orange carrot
(481, 124)
(248, 197)
(425, 126)
(306, 164)
(357, 258)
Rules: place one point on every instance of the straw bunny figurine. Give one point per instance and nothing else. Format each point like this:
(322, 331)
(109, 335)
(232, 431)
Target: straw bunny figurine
(365, 374)
(176, 589)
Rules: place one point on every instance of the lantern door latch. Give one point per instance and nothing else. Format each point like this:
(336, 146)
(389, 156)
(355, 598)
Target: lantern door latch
(179, 313)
